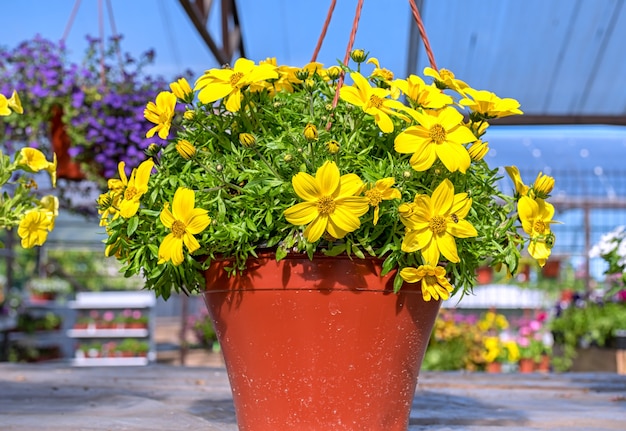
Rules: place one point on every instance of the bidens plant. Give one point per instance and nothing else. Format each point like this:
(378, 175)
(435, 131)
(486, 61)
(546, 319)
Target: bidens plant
(289, 159)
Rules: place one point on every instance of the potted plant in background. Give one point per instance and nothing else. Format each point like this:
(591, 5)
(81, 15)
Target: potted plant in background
(47, 288)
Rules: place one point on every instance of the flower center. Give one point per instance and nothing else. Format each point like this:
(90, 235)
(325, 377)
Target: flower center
(437, 133)
(540, 226)
(437, 224)
(445, 74)
(178, 228)
(375, 197)
(130, 193)
(326, 205)
(430, 279)
(376, 101)
(235, 77)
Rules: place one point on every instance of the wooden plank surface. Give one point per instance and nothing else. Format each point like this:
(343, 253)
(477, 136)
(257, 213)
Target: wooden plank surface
(55, 397)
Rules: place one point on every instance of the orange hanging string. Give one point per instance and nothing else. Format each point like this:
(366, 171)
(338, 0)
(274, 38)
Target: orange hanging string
(324, 30)
(355, 25)
(422, 30)
(70, 22)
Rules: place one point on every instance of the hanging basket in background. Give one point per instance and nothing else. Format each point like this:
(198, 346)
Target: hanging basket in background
(67, 167)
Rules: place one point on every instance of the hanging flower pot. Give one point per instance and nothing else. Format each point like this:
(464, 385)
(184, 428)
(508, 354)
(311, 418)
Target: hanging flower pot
(322, 344)
(67, 168)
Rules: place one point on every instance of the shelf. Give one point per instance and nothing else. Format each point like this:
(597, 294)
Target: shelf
(39, 338)
(107, 333)
(108, 300)
(109, 362)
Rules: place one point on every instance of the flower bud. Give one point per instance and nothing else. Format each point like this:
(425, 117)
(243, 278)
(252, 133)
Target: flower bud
(358, 56)
(219, 167)
(152, 150)
(288, 158)
(189, 115)
(302, 74)
(543, 185)
(332, 146)
(247, 139)
(478, 150)
(333, 72)
(181, 89)
(185, 149)
(406, 175)
(309, 84)
(310, 132)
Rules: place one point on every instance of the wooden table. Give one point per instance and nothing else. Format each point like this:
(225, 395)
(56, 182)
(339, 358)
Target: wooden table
(58, 397)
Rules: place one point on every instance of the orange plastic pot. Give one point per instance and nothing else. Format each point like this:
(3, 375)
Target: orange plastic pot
(319, 345)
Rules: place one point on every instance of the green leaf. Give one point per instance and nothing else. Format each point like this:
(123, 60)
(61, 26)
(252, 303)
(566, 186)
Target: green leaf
(397, 283)
(133, 222)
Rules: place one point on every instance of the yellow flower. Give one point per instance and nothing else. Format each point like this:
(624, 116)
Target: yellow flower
(181, 89)
(373, 101)
(513, 350)
(521, 189)
(422, 95)
(310, 132)
(543, 185)
(15, 103)
(536, 217)
(50, 204)
(445, 79)
(489, 105)
(185, 221)
(135, 187)
(381, 191)
(331, 202)
(438, 136)
(434, 222)
(4, 106)
(478, 150)
(35, 160)
(33, 228)
(380, 72)
(493, 346)
(161, 114)
(185, 149)
(435, 285)
(227, 83)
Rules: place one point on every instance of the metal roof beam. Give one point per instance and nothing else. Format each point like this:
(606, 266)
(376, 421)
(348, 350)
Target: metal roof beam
(538, 119)
(232, 40)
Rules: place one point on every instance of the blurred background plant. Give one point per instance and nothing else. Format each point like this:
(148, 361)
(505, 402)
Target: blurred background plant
(100, 102)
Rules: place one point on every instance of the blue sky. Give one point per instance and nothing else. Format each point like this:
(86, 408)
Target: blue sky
(285, 29)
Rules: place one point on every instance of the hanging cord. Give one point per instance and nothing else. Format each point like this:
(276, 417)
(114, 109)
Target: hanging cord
(101, 30)
(355, 25)
(422, 30)
(324, 30)
(70, 22)
(115, 34)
